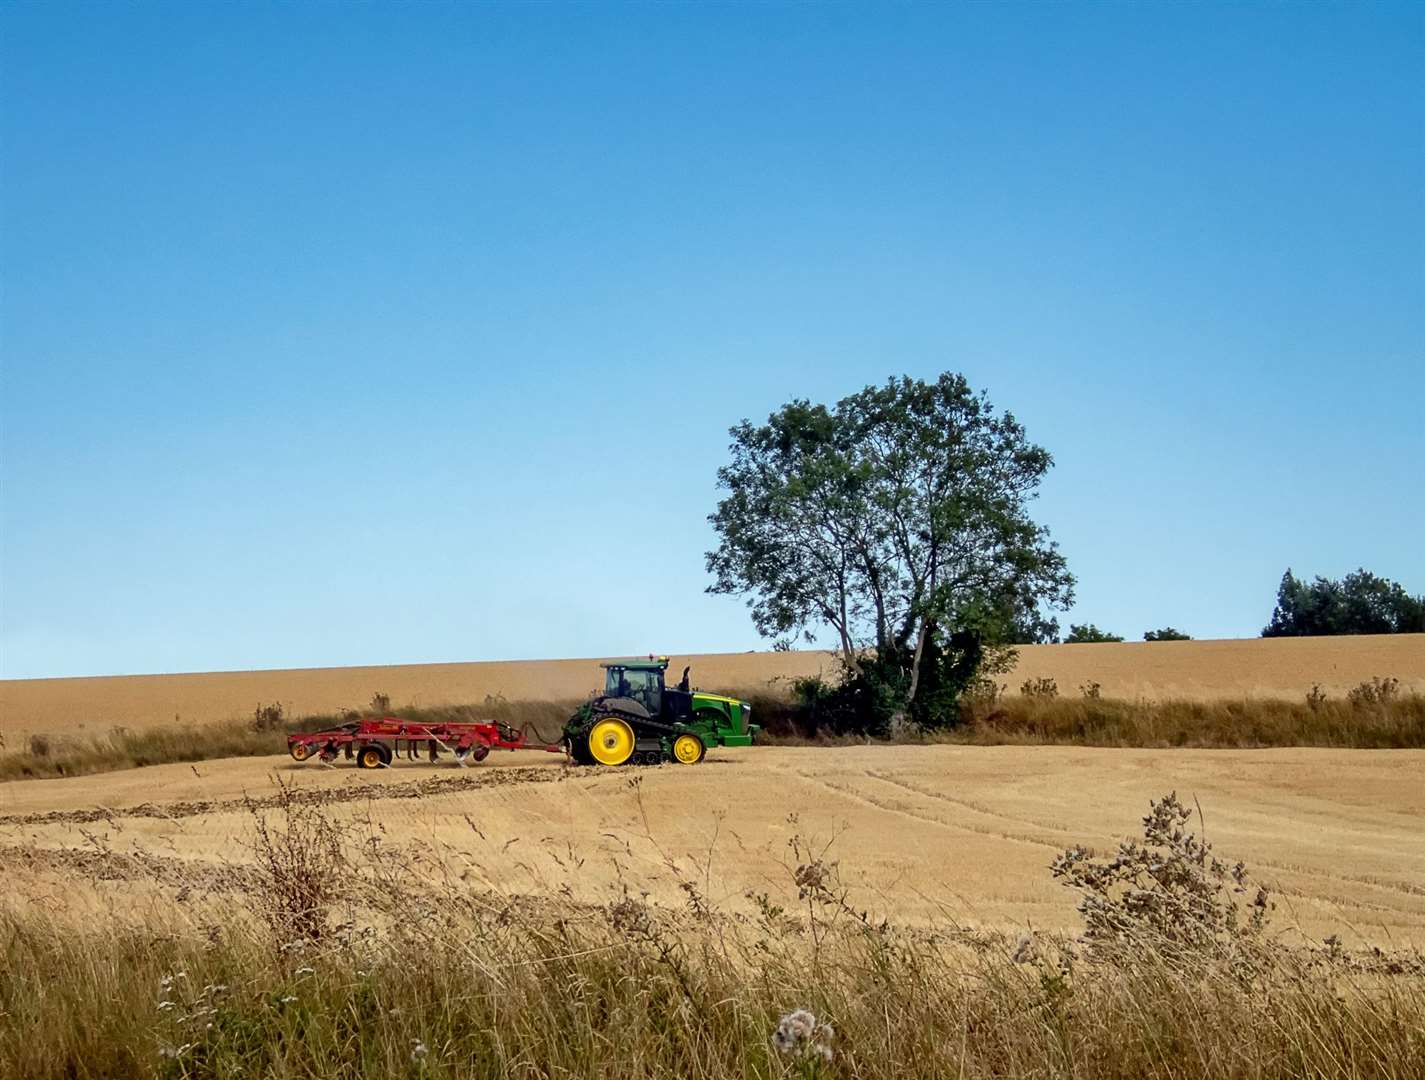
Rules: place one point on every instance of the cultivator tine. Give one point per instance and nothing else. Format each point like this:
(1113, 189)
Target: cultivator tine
(433, 749)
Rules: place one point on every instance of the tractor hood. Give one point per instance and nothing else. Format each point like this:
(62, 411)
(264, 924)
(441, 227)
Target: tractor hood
(698, 695)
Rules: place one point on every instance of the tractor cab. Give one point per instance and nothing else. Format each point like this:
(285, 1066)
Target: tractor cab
(643, 681)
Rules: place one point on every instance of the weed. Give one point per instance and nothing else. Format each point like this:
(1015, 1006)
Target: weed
(1042, 687)
(299, 868)
(1374, 693)
(1170, 888)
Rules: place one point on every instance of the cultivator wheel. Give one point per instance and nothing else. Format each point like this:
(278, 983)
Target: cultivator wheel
(374, 756)
(300, 751)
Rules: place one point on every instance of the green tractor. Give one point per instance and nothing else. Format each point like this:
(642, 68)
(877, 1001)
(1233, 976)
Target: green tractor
(639, 719)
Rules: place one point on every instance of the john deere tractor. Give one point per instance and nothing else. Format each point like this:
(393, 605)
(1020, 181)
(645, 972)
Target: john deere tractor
(639, 719)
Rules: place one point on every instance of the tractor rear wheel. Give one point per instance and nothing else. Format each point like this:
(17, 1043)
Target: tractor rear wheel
(688, 749)
(611, 741)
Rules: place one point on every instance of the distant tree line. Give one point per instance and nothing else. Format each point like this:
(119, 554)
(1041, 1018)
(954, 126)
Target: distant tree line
(1360, 603)
(1088, 633)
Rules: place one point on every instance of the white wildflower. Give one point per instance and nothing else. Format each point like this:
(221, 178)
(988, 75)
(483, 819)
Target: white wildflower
(800, 1035)
(418, 1050)
(1023, 949)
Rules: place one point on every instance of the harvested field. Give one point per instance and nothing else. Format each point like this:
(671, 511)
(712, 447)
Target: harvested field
(1187, 670)
(923, 833)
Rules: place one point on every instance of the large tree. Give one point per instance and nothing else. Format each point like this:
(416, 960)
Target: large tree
(896, 519)
(1360, 603)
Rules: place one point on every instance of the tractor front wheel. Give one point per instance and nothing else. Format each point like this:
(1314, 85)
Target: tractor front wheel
(688, 749)
(611, 741)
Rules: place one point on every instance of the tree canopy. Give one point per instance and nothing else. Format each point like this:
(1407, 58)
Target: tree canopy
(1088, 633)
(895, 520)
(1360, 603)
(1167, 633)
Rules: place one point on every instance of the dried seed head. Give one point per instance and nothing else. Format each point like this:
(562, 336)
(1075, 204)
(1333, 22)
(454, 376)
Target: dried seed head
(799, 1034)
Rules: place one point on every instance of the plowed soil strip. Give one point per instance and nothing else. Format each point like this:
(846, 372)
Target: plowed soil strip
(414, 789)
(105, 865)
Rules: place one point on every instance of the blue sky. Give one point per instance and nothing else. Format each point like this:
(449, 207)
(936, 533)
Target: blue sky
(338, 334)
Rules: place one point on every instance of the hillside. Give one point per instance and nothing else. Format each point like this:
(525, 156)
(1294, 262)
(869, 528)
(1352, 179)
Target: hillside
(1194, 670)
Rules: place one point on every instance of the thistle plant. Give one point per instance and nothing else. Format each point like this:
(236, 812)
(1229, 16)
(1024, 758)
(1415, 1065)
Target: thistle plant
(1169, 888)
(804, 1041)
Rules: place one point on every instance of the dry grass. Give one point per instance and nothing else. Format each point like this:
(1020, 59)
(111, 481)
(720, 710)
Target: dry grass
(409, 970)
(1396, 723)
(1363, 719)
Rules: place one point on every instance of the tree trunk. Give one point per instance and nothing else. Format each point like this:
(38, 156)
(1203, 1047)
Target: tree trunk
(848, 653)
(925, 629)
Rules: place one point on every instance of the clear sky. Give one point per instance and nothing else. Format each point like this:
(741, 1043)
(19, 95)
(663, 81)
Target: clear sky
(351, 334)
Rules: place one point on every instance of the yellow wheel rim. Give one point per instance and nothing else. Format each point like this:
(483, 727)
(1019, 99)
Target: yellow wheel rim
(301, 751)
(611, 742)
(371, 758)
(688, 749)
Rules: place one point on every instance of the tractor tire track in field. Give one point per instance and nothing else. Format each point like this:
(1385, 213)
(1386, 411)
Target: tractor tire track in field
(102, 864)
(847, 791)
(412, 789)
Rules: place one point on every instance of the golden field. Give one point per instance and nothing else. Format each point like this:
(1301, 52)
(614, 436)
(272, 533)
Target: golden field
(1188, 670)
(923, 833)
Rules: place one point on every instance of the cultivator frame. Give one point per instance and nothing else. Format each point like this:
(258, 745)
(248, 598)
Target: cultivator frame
(375, 743)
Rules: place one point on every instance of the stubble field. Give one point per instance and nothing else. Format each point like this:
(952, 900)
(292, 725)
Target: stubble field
(923, 834)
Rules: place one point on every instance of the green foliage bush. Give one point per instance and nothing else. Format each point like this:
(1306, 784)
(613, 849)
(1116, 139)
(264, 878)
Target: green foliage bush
(1088, 633)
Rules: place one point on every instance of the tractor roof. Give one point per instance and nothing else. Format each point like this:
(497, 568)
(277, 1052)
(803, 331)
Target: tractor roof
(639, 663)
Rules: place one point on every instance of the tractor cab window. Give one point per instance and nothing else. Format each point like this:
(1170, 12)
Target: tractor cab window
(642, 686)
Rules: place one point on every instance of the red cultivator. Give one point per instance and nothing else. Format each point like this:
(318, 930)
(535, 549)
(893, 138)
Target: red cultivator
(376, 743)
